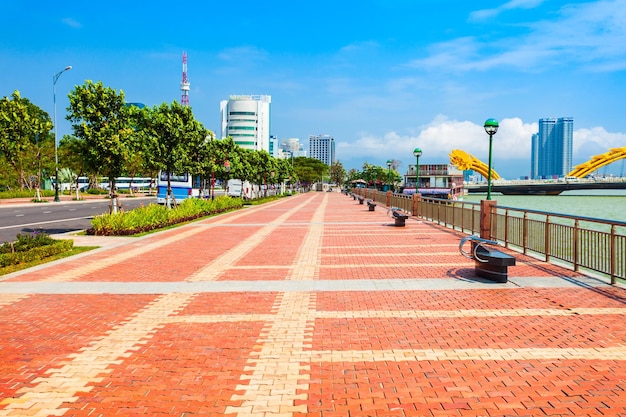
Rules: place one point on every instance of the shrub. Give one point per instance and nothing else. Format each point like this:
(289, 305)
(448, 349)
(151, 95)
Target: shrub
(33, 247)
(25, 194)
(26, 242)
(153, 216)
(96, 191)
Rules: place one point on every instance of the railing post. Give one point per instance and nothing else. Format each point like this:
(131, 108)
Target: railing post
(613, 256)
(486, 207)
(506, 228)
(416, 199)
(388, 199)
(546, 241)
(575, 245)
(525, 233)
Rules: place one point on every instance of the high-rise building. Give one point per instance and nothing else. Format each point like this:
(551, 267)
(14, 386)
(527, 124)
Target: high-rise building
(246, 119)
(292, 147)
(551, 148)
(322, 147)
(273, 149)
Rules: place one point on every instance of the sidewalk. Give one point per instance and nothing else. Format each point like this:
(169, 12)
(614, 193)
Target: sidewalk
(311, 305)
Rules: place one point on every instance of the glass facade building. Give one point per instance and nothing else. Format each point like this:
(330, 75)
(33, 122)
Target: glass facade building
(551, 148)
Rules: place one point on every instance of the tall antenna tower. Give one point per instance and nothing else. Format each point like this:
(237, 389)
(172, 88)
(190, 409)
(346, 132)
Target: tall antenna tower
(184, 85)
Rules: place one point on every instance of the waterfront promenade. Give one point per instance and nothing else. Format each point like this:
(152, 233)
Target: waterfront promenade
(308, 306)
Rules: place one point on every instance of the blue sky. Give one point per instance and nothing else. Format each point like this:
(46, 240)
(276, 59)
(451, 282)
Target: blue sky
(381, 76)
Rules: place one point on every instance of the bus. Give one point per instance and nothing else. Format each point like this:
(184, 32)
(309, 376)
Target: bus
(183, 186)
(122, 183)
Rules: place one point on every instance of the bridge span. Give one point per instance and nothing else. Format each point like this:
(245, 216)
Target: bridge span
(546, 188)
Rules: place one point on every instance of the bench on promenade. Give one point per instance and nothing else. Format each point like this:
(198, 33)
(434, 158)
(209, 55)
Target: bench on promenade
(398, 216)
(361, 199)
(489, 262)
(371, 205)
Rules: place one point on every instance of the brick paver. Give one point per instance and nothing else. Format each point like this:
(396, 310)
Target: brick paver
(311, 305)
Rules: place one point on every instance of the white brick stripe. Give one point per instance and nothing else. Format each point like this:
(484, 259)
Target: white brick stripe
(617, 353)
(278, 371)
(63, 383)
(228, 259)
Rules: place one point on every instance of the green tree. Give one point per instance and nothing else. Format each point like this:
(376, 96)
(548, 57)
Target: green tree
(171, 133)
(102, 121)
(24, 137)
(309, 170)
(337, 173)
(71, 151)
(284, 172)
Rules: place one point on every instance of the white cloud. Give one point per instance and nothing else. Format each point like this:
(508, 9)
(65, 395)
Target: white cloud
(598, 136)
(72, 23)
(587, 34)
(438, 138)
(511, 5)
(442, 135)
(243, 54)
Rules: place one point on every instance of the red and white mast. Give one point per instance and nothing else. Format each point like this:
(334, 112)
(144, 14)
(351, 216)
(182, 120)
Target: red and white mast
(184, 85)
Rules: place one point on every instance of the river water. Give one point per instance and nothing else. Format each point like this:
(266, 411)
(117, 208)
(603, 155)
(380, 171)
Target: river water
(599, 204)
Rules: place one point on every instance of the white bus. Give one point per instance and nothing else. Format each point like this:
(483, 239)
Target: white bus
(122, 183)
(183, 186)
(137, 183)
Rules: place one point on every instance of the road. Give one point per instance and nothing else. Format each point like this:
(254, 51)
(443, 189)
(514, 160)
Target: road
(53, 218)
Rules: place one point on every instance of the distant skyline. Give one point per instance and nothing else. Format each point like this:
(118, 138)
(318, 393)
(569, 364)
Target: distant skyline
(381, 78)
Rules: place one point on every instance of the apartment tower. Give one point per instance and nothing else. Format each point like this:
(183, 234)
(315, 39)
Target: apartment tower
(551, 148)
(322, 147)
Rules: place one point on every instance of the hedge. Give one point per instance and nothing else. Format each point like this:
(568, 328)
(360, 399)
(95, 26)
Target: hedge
(37, 253)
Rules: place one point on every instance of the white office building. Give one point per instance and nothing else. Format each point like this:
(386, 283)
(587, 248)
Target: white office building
(322, 147)
(246, 119)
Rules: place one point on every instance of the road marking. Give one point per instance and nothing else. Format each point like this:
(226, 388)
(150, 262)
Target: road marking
(46, 222)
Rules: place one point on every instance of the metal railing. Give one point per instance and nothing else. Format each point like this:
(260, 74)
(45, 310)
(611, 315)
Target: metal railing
(580, 243)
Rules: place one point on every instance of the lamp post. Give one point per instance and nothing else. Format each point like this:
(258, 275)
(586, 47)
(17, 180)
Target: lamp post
(491, 127)
(389, 175)
(417, 152)
(55, 77)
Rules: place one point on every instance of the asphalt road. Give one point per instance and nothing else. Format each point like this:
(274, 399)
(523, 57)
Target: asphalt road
(53, 218)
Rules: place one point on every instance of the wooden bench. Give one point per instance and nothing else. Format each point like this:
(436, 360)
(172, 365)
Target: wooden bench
(398, 216)
(489, 262)
(371, 205)
(361, 199)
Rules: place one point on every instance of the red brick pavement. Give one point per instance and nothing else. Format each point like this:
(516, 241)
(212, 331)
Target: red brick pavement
(327, 344)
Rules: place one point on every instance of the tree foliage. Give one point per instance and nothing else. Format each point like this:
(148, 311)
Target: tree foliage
(337, 173)
(309, 170)
(102, 122)
(24, 139)
(112, 138)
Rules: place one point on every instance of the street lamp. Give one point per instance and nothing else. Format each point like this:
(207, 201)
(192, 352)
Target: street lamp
(389, 174)
(417, 152)
(55, 77)
(491, 127)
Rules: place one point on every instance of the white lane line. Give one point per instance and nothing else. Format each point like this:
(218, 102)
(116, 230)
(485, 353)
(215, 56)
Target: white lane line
(46, 222)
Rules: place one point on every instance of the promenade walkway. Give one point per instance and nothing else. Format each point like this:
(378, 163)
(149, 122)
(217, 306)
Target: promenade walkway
(308, 306)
